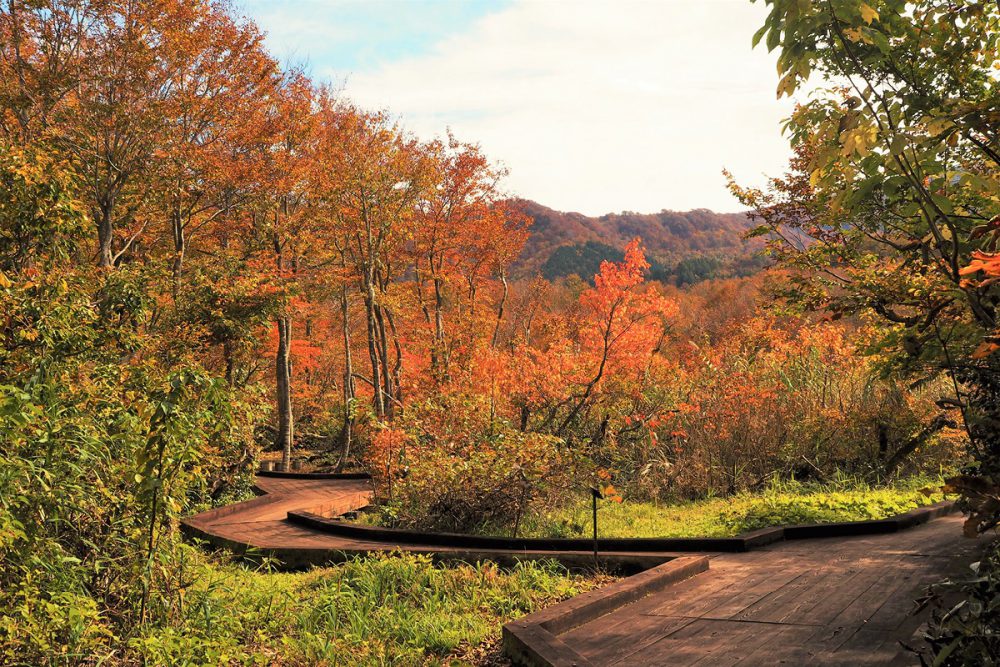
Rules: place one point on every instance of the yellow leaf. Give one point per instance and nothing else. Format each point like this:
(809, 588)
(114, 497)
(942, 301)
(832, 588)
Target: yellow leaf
(867, 13)
(4, 281)
(787, 85)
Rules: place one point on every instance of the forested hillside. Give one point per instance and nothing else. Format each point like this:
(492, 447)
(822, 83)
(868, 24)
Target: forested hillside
(683, 246)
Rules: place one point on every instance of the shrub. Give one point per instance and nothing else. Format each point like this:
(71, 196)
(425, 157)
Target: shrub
(965, 624)
(800, 403)
(468, 475)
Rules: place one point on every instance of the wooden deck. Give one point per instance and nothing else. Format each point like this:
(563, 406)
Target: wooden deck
(814, 602)
(828, 601)
(261, 524)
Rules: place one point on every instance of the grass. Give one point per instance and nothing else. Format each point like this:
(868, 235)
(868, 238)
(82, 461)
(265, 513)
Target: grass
(384, 610)
(780, 504)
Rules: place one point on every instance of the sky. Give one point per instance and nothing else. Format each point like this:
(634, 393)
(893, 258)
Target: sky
(594, 106)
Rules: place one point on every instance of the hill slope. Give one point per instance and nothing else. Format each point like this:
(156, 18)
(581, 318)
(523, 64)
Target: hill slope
(684, 246)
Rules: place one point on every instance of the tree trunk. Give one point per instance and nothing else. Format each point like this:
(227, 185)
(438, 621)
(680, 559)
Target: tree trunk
(348, 428)
(177, 227)
(373, 354)
(383, 350)
(440, 349)
(397, 369)
(500, 307)
(105, 235)
(283, 373)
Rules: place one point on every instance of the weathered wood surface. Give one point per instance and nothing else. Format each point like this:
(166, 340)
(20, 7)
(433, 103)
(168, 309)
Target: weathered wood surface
(262, 524)
(845, 601)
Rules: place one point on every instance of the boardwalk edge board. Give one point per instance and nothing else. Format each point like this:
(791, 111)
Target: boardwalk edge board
(622, 555)
(745, 542)
(297, 558)
(532, 641)
(280, 474)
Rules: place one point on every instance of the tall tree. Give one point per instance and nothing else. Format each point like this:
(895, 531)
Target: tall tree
(896, 181)
(462, 229)
(383, 173)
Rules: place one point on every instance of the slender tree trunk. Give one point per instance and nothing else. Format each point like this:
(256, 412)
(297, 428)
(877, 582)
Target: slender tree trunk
(283, 360)
(283, 373)
(500, 307)
(105, 234)
(397, 369)
(441, 371)
(348, 429)
(180, 244)
(383, 350)
(373, 352)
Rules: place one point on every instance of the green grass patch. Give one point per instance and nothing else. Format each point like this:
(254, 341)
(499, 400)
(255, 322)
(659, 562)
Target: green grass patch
(384, 610)
(779, 505)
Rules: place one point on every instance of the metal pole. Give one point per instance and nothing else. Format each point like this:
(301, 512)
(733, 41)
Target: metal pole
(595, 530)
(594, 495)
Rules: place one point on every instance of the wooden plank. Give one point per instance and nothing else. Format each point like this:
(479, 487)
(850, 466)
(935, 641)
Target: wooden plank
(834, 602)
(811, 602)
(753, 589)
(610, 642)
(795, 645)
(701, 641)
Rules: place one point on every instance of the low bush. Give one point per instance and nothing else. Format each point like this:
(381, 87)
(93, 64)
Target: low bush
(965, 624)
(470, 475)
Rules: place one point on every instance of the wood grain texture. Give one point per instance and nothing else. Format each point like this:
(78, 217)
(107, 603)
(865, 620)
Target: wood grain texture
(846, 601)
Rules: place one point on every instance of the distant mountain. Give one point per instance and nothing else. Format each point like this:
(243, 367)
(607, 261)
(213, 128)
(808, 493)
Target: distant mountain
(683, 247)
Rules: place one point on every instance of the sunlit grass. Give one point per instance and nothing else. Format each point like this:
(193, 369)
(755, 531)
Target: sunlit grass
(780, 504)
(384, 610)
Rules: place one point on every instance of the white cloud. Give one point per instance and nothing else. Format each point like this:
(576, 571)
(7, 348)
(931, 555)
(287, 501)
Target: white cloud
(600, 106)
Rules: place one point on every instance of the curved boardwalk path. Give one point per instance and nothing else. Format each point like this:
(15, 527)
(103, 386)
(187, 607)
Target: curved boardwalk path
(837, 601)
(261, 525)
(831, 601)
(261, 522)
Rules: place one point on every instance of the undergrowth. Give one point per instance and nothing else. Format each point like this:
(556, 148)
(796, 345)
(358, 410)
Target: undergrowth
(781, 503)
(388, 610)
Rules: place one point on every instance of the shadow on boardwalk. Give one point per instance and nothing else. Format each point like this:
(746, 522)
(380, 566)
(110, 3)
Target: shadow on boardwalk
(847, 601)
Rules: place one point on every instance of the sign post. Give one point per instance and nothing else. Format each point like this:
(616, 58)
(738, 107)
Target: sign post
(595, 495)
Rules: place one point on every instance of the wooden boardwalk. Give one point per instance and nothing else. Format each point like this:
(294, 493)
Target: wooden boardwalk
(261, 525)
(830, 601)
(846, 601)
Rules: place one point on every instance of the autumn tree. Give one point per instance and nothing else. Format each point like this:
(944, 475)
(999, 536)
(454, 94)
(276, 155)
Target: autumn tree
(41, 57)
(219, 76)
(894, 184)
(286, 220)
(606, 349)
(383, 173)
(464, 230)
